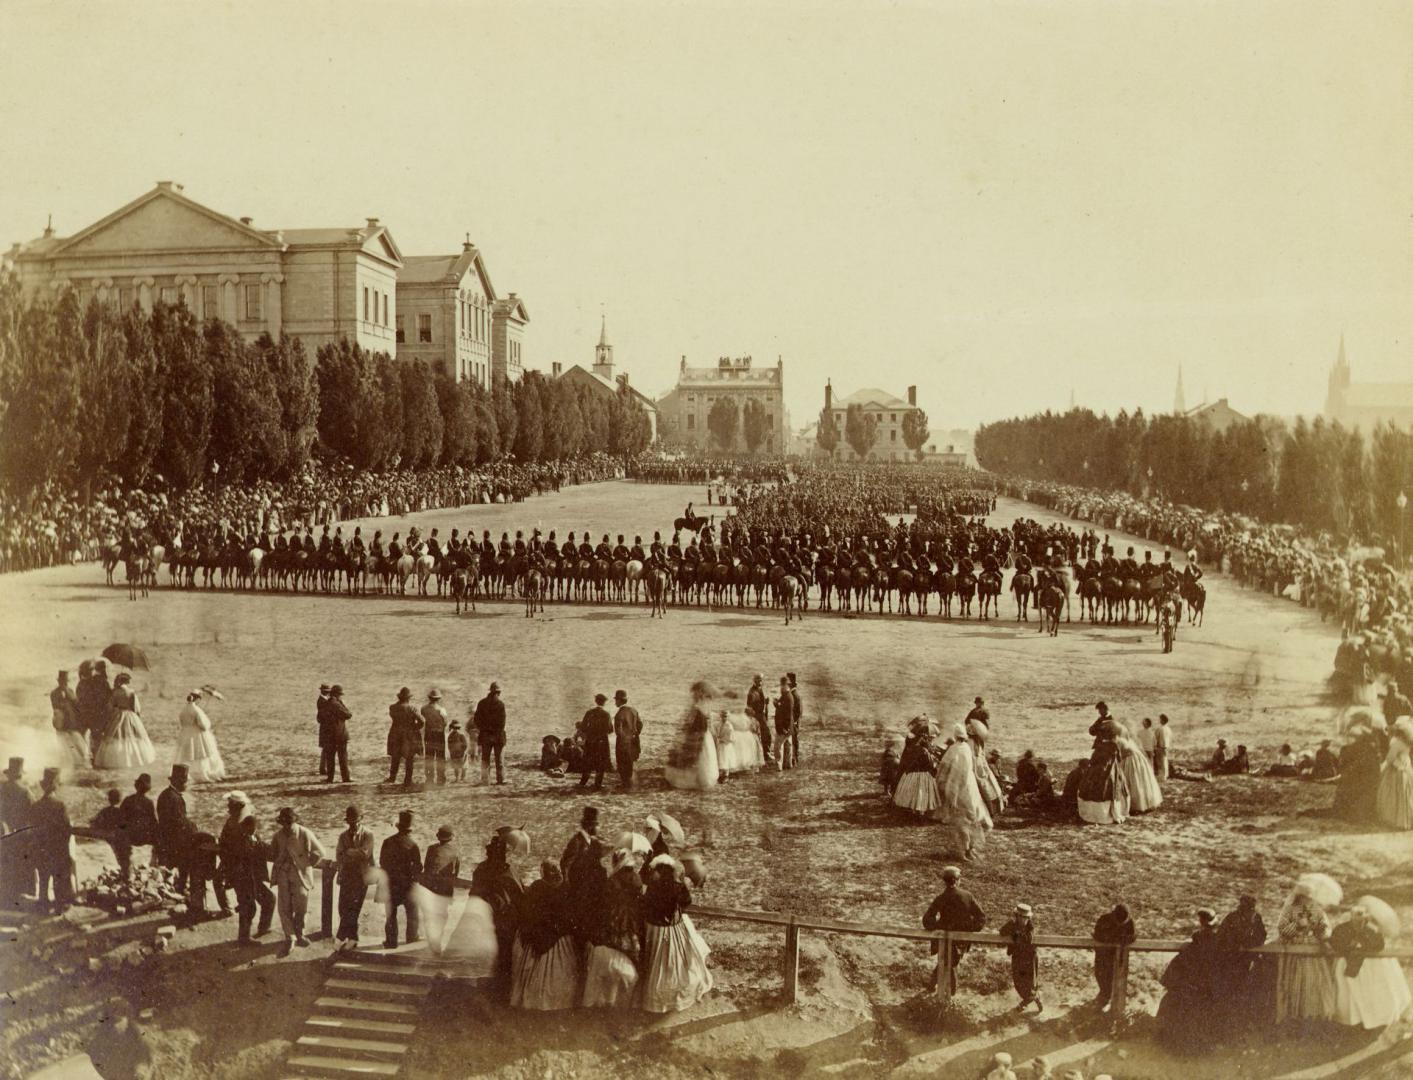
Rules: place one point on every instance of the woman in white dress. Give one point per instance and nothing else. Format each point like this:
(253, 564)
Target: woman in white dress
(722, 734)
(745, 740)
(992, 794)
(917, 767)
(1144, 793)
(1395, 796)
(196, 745)
(675, 975)
(1370, 992)
(692, 762)
(125, 743)
(1305, 985)
(963, 811)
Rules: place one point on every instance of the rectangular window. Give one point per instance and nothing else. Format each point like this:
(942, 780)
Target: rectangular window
(401, 335)
(893, 435)
(168, 294)
(365, 303)
(253, 307)
(892, 418)
(691, 421)
(424, 328)
(210, 306)
(385, 309)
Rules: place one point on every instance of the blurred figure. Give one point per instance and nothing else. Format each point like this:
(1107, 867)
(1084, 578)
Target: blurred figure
(1116, 929)
(436, 886)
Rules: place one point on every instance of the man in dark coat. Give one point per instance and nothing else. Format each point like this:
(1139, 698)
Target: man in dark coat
(17, 858)
(1020, 928)
(140, 813)
(489, 720)
(401, 859)
(796, 713)
(174, 828)
(321, 717)
(333, 729)
(49, 818)
(760, 711)
(580, 841)
(91, 698)
(954, 909)
(1113, 928)
(784, 726)
(404, 736)
(595, 728)
(627, 730)
(245, 868)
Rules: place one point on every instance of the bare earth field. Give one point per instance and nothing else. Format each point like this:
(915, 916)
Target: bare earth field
(818, 840)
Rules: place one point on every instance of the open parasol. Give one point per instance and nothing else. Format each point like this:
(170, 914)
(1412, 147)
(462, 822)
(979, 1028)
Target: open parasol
(1384, 916)
(672, 828)
(211, 692)
(1321, 888)
(517, 841)
(694, 867)
(634, 842)
(125, 655)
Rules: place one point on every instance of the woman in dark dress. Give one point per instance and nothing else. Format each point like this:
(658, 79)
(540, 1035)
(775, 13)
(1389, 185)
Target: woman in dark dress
(674, 971)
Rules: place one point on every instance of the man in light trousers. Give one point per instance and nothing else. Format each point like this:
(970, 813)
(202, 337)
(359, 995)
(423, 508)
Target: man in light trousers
(294, 852)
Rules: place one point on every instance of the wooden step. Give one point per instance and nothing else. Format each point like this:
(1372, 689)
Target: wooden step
(321, 1065)
(338, 1044)
(352, 1025)
(352, 969)
(374, 987)
(357, 1005)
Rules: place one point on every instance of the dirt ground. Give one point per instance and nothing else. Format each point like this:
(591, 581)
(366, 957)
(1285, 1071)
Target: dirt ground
(818, 840)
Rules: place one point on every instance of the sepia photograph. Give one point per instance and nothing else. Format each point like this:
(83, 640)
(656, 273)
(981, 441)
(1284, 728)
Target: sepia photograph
(673, 539)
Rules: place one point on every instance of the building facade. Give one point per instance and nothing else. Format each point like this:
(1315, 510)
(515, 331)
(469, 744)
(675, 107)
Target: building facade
(602, 379)
(1365, 406)
(444, 314)
(888, 414)
(508, 321)
(683, 411)
(320, 285)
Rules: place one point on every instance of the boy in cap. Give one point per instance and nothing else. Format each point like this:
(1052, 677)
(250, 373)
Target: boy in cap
(1020, 928)
(457, 747)
(434, 736)
(353, 856)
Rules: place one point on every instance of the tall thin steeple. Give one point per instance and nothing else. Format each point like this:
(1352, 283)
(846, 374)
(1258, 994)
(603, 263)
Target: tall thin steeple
(1179, 400)
(603, 354)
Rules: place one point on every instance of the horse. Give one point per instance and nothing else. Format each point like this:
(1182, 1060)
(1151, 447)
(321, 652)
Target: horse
(656, 585)
(826, 588)
(424, 565)
(465, 579)
(633, 571)
(534, 586)
(1113, 598)
(1021, 585)
(922, 586)
(1195, 593)
(1091, 594)
(135, 567)
(1050, 600)
(790, 590)
(720, 582)
(1133, 599)
(946, 584)
(966, 590)
(903, 582)
(249, 570)
(988, 588)
(112, 555)
(618, 580)
(691, 524)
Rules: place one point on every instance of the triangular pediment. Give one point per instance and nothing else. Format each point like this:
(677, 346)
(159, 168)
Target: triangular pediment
(381, 245)
(165, 220)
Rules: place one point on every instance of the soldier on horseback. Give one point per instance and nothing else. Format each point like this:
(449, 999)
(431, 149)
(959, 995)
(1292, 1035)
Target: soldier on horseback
(570, 550)
(636, 553)
(620, 551)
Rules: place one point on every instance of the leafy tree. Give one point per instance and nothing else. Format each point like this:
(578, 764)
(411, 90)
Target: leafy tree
(421, 416)
(458, 412)
(915, 433)
(249, 441)
(723, 421)
(298, 391)
(826, 435)
(529, 417)
(860, 430)
(43, 395)
(188, 406)
(105, 395)
(146, 377)
(755, 424)
(503, 406)
(393, 414)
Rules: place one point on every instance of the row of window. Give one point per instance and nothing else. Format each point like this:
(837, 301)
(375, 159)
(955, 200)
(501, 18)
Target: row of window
(424, 329)
(475, 319)
(251, 299)
(768, 398)
(375, 306)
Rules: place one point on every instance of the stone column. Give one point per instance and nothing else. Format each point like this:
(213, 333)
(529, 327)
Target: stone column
(186, 290)
(144, 292)
(274, 318)
(226, 283)
(103, 289)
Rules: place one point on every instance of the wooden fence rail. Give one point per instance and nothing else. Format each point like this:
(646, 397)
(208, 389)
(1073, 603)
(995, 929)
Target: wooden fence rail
(794, 925)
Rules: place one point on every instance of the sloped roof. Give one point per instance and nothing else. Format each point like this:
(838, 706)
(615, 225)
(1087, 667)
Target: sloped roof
(645, 401)
(446, 269)
(513, 306)
(871, 395)
(359, 236)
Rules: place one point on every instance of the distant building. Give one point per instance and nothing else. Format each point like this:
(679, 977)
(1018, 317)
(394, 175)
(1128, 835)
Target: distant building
(508, 321)
(888, 413)
(601, 378)
(1216, 415)
(316, 284)
(683, 410)
(444, 313)
(1366, 405)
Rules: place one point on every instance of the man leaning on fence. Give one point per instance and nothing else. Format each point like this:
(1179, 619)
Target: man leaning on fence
(954, 909)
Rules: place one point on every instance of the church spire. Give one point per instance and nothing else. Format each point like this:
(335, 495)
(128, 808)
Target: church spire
(603, 354)
(1179, 400)
(603, 330)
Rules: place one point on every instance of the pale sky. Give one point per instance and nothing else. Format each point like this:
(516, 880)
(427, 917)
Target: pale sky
(997, 202)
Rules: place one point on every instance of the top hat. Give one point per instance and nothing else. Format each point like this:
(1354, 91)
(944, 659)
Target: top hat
(179, 772)
(16, 766)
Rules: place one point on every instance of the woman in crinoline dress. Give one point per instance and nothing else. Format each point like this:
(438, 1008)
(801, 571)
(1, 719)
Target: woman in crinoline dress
(1103, 793)
(745, 743)
(1370, 992)
(963, 810)
(1395, 794)
(917, 766)
(544, 970)
(196, 745)
(692, 761)
(615, 936)
(1137, 771)
(675, 975)
(125, 744)
(1305, 985)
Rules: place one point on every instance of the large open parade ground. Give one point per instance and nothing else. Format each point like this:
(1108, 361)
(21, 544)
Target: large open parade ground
(817, 841)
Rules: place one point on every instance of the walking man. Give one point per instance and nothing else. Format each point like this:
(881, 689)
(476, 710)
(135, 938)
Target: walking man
(627, 728)
(401, 860)
(338, 716)
(434, 736)
(439, 873)
(404, 736)
(354, 858)
(796, 712)
(595, 728)
(245, 867)
(173, 837)
(784, 726)
(294, 851)
(489, 721)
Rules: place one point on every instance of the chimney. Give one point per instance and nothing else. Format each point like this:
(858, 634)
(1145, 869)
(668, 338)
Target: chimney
(556, 368)
(912, 396)
(467, 245)
(684, 363)
(372, 222)
(49, 227)
(246, 220)
(515, 296)
(168, 185)
(828, 395)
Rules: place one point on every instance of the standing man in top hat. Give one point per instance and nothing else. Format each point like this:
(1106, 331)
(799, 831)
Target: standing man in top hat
(174, 828)
(434, 736)
(321, 717)
(404, 736)
(52, 829)
(401, 859)
(627, 729)
(337, 716)
(294, 851)
(489, 720)
(595, 727)
(795, 714)
(17, 866)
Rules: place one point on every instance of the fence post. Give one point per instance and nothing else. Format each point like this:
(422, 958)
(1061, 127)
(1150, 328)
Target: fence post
(792, 961)
(1118, 1000)
(326, 899)
(944, 972)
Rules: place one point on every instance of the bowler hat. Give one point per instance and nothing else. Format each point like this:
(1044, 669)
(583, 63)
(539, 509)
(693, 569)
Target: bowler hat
(434, 694)
(323, 688)
(404, 694)
(599, 699)
(336, 690)
(495, 688)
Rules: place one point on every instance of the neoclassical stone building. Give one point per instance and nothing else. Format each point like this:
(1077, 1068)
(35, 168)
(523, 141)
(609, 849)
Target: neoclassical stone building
(683, 411)
(444, 313)
(316, 284)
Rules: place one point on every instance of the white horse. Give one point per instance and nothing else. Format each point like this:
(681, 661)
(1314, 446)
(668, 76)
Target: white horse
(425, 566)
(635, 579)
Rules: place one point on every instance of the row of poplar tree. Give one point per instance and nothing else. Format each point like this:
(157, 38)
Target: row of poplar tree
(1313, 473)
(88, 393)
